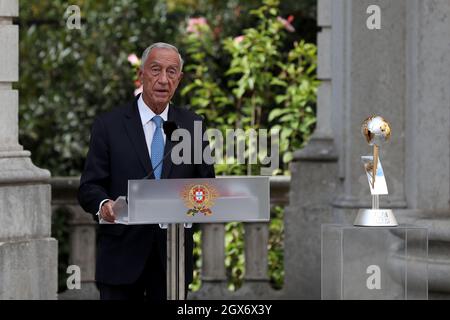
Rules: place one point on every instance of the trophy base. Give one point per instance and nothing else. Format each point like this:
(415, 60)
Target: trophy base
(375, 218)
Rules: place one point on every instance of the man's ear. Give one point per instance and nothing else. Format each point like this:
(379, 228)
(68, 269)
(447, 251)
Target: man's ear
(140, 74)
(180, 77)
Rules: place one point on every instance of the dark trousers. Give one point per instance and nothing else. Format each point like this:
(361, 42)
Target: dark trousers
(150, 286)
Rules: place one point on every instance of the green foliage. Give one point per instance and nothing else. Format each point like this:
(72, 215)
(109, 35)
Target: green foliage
(276, 248)
(70, 76)
(296, 116)
(255, 84)
(197, 254)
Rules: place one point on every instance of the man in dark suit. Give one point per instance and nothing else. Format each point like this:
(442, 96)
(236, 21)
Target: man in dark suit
(128, 143)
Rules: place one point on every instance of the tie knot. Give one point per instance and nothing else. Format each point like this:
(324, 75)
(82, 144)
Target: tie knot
(158, 121)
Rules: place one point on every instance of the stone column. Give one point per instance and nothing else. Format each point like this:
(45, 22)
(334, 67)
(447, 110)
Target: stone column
(256, 278)
(370, 65)
(214, 279)
(28, 255)
(82, 237)
(427, 134)
(313, 182)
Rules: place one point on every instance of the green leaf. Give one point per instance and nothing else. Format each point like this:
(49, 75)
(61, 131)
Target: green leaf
(278, 82)
(275, 113)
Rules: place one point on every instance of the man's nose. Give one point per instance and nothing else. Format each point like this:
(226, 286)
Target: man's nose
(163, 77)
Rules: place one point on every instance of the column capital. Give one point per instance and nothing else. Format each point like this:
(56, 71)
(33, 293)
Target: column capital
(9, 8)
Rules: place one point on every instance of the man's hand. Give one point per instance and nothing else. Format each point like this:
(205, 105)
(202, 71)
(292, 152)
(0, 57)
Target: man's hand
(106, 212)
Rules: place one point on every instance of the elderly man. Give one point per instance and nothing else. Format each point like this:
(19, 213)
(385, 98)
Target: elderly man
(128, 143)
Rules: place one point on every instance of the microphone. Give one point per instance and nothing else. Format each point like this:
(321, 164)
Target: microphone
(169, 127)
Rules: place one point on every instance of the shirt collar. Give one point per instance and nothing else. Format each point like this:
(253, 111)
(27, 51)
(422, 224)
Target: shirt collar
(147, 114)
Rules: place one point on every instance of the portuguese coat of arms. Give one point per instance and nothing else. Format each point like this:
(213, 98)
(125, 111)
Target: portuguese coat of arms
(199, 198)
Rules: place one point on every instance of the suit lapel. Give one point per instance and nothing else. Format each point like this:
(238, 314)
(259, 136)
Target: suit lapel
(167, 163)
(135, 131)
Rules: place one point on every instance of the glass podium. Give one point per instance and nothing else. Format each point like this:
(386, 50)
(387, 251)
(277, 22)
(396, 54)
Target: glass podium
(374, 263)
(176, 204)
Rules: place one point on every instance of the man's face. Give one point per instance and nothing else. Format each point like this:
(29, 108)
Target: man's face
(160, 78)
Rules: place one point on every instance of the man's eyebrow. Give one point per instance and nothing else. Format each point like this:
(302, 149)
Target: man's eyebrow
(156, 63)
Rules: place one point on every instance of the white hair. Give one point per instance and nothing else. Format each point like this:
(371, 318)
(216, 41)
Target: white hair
(164, 45)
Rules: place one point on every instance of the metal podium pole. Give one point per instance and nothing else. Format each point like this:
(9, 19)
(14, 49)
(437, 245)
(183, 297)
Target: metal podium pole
(175, 262)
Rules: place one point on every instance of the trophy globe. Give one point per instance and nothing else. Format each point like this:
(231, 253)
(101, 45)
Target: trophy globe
(377, 131)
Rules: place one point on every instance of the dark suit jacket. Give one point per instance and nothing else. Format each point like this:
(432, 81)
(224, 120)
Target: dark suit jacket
(118, 152)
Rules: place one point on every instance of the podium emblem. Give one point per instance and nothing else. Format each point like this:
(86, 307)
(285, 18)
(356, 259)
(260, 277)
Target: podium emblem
(199, 198)
(200, 194)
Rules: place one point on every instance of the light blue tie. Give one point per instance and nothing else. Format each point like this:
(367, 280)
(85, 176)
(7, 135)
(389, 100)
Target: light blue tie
(157, 152)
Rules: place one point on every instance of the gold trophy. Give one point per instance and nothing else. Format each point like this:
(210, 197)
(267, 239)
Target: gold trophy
(377, 131)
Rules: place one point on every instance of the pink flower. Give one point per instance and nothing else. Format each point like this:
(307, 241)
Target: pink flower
(287, 23)
(133, 59)
(195, 23)
(239, 39)
(138, 90)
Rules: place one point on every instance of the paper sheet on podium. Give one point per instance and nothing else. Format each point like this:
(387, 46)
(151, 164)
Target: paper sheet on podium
(120, 209)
